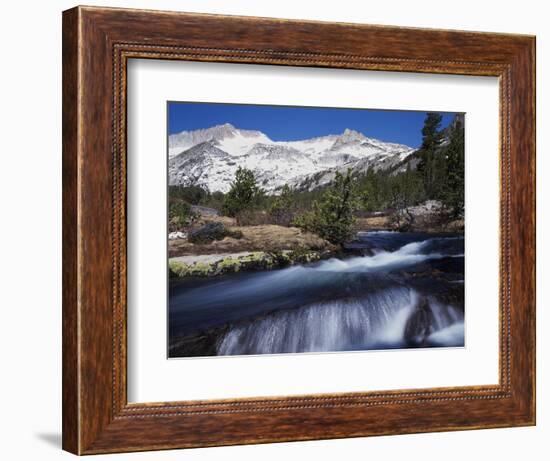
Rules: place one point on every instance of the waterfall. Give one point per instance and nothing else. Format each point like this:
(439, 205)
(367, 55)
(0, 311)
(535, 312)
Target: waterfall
(374, 322)
(406, 291)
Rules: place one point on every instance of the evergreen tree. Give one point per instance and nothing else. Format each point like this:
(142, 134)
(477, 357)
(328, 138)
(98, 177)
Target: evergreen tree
(332, 216)
(282, 207)
(214, 200)
(431, 134)
(432, 165)
(453, 196)
(372, 193)
(244, 193)
(191, 194)
(382, 190)
(406, 189)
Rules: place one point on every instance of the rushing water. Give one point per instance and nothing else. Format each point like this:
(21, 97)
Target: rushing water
(394, 290)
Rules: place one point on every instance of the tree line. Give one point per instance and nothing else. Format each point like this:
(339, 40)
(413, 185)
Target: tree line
(436, 172)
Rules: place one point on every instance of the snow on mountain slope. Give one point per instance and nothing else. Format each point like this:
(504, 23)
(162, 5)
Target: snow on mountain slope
(382, 160)
(210, 157)
(312, 146)
(226, 137)
(204, 165)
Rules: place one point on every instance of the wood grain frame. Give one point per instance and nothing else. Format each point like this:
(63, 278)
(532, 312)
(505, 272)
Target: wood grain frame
(97, 44)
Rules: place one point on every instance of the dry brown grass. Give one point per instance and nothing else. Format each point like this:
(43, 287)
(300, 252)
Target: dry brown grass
(385, 223)
(267, 237)
(225, 220)
(373, 223)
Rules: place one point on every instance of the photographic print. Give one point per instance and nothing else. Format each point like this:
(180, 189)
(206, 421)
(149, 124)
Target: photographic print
(313, 229)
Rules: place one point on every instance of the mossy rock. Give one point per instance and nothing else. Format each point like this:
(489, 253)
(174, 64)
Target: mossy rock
(177, 269)
(255, 261)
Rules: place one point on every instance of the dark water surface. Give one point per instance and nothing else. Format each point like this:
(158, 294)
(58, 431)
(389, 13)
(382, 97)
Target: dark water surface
(390, 290)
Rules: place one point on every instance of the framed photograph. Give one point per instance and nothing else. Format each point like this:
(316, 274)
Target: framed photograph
(280, 230)
(315, 242)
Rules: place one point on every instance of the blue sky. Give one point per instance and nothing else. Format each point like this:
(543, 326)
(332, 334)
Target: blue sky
(285, 123)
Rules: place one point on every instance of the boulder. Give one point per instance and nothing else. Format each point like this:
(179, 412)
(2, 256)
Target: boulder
(205, 211)
(426, 216)
(419, 325)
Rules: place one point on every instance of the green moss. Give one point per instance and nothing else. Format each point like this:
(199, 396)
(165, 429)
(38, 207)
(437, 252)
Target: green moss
(254, 256)
(200, 269)
(177, 269)
(228, 265)
(255, 261)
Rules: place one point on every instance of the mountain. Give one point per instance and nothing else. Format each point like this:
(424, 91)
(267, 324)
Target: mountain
(227, 137)
(210, 157)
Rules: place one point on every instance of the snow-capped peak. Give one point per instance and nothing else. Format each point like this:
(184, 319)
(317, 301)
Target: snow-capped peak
(349, 136)
(191, 138)
(227, 137)
(223, 148)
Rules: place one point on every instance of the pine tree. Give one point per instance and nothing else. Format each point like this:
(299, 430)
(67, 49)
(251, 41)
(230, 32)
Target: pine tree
(332, 216)
(371, 193)
(408, 189)
(282, 207)
(243, 194)
(453, 196)
(432, 164)
(431, 134)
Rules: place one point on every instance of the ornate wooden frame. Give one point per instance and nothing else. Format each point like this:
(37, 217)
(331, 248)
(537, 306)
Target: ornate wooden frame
(97, 43)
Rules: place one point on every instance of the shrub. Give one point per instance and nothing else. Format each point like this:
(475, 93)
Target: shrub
(180, 215)
(212, 231)
(281, 210)
(332, 216)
